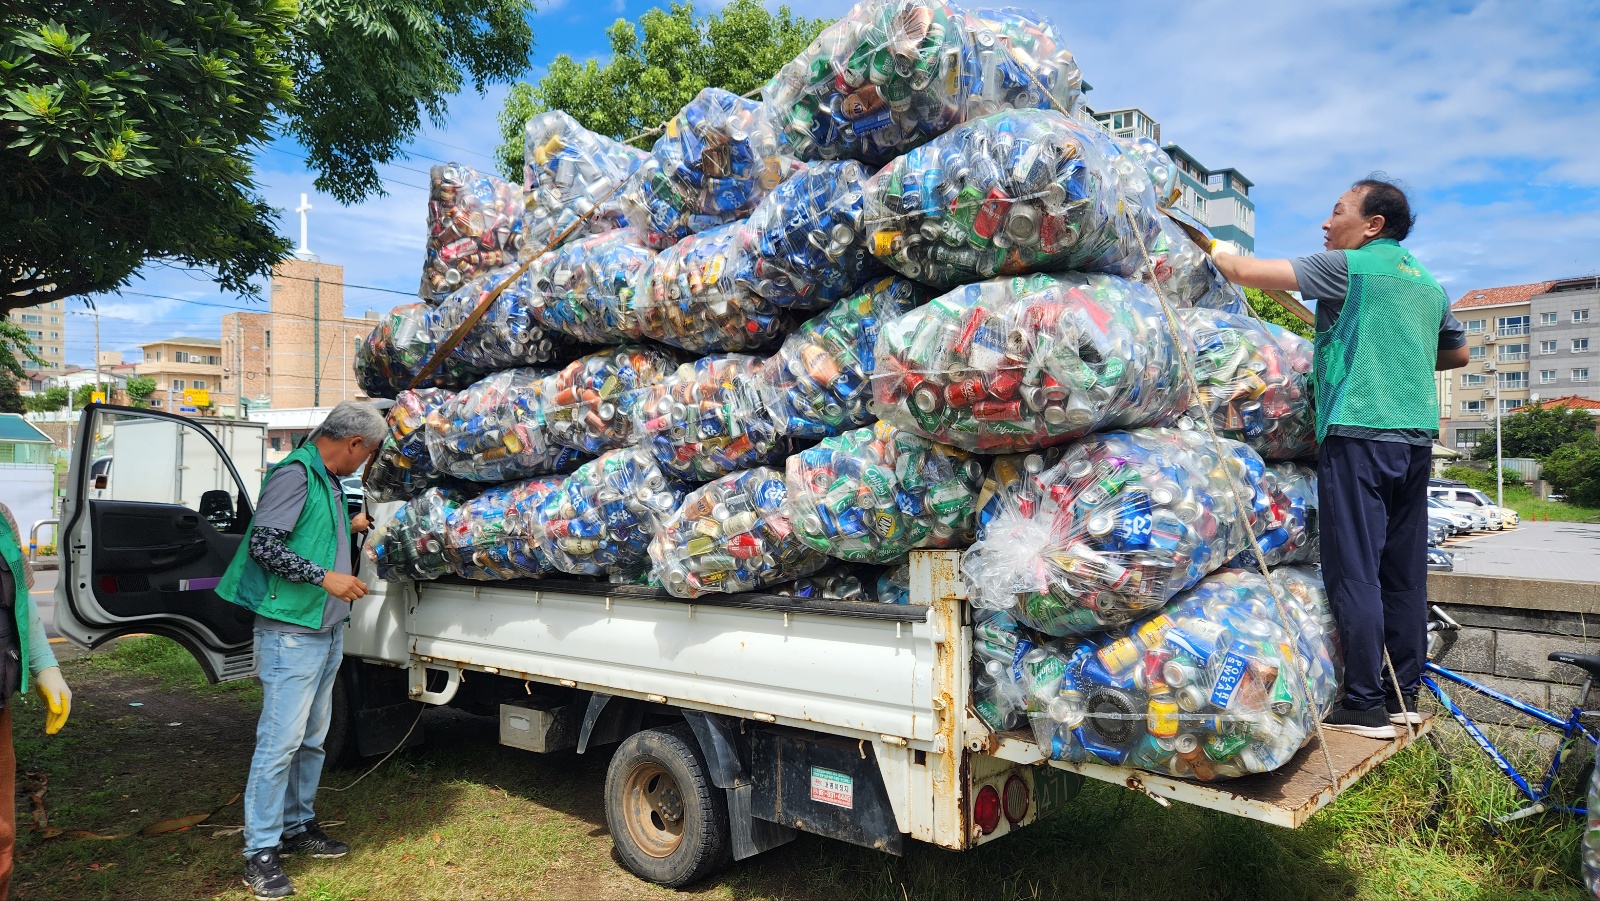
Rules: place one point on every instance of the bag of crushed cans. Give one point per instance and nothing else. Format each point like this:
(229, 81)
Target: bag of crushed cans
(397, 348)
(707, 419)
(411, 544)
(1221, 683)
(1015, 670)
(837, 583)
(691, 297)
(489, 538)
(816, 385)
(1020, 63)
(1016, 192)
(585, 289)
(1254, 380)
(894, 585)
(1156, 165)
(403, 467)
(1290, 534)
(474, 227)
(1114, 529)
(590, 404)
(729, 536)
(494, 431)
(718, 157)
(807, 248)
(872, 494)
(601, 518)
(1185, 275)
(571, 178)
(1015, 364)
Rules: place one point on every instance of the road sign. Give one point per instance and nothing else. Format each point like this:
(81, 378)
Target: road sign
(197, 397)
(188, 410)
(97, 397)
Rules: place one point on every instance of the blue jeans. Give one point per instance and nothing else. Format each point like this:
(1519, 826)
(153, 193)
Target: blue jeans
(297, 672)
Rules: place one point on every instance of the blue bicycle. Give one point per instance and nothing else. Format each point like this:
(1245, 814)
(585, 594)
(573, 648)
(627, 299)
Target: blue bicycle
(1573, 731)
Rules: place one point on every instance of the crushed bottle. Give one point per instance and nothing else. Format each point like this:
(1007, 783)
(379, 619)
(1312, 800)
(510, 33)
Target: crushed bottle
(1016, 364)
(729, 536)
(873, 494)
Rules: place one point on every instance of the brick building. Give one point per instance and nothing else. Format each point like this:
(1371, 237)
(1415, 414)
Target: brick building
(305, 356)
(246, 364)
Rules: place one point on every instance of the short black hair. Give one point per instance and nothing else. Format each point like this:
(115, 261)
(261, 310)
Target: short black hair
(1384, 198)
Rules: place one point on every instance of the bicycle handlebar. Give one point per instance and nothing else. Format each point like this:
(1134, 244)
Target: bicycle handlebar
(1441, 621)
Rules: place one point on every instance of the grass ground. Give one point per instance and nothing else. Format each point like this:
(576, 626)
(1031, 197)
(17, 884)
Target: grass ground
(464, 817)
(1529, 507)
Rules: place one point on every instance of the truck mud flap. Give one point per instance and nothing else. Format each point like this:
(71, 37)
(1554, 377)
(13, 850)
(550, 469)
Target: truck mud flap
(828, 786)
(719, 742)
(381, 715)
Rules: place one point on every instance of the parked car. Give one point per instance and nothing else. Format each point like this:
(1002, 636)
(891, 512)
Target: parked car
(1473, 499)
(1460, 519)
(1439, 561)
(1439, 529)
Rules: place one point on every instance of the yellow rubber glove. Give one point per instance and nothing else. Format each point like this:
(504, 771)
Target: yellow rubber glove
(56, 696)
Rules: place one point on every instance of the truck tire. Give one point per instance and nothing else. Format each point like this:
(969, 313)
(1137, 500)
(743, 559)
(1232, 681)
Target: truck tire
(668, 823)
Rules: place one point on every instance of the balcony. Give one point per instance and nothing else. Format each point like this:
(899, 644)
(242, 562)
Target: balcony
(1514, 357)
(1511, 331)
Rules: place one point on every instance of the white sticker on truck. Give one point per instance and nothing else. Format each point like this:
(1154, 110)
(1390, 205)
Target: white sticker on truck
(832, 787)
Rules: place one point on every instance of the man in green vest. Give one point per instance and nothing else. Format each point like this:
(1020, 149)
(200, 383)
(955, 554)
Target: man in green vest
(294, 569)
(1383, 327)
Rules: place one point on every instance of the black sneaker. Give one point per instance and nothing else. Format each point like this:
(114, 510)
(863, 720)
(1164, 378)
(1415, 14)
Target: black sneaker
(1372, 723)
(315, 842)
(1411, 713)
(264, 876)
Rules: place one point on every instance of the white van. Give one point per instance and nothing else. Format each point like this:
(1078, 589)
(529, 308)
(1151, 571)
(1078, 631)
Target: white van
(1476, 501)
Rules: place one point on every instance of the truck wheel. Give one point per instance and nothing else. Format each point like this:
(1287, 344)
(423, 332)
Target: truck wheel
(668, 822)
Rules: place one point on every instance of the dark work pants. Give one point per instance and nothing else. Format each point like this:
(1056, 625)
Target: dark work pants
(1372, 499)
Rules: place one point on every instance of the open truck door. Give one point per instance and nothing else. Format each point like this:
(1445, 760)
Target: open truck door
(153, 514)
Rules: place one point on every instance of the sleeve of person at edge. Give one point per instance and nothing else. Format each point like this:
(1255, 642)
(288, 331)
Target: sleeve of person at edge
(282, 499)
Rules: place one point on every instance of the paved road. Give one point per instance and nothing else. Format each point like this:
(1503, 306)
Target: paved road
(1566, 551)
(44, 596)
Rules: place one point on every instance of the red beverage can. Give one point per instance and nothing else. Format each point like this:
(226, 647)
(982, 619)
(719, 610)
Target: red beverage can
(990, 212)
(1004, 384)
(964, 393)
(997, 410)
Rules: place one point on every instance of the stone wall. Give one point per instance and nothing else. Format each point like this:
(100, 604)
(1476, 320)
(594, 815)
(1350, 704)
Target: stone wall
(1509, 628)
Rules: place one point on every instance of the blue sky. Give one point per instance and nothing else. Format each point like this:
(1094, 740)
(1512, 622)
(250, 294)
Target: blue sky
(1489, 112)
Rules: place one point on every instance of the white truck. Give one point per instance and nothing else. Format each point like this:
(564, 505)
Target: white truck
(736, 719)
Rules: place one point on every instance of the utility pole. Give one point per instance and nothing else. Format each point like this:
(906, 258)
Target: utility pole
(316, 341)
(96, 355)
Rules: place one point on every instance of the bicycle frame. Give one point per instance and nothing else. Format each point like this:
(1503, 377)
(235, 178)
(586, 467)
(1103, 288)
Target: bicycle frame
(1570, 727)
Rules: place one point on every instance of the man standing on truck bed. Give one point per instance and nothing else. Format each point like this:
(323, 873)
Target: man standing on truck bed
(1383, 327)
(295, 571)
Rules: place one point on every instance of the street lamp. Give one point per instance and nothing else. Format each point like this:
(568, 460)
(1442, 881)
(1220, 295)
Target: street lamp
(1499, 481)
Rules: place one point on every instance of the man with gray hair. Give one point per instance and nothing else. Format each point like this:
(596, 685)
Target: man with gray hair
(295, 571)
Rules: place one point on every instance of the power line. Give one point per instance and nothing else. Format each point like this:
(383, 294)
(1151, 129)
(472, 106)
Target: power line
(301, 278)
(307, 161)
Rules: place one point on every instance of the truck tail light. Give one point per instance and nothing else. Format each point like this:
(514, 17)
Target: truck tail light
(986, 809)
(1016, 799)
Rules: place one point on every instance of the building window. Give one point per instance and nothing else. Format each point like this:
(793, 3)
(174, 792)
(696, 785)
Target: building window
(180, 356)
(1509, 404)
(268, 333)
(1580, 345)
(1547, 319)
(1547, 347)
(1513, 353)
(1200, 206)
(1513, 381)
(1468, 437)
(155, 401)
(1475, 353)
(1472, 407)
(213, 360)
(1475, 326)
(1511, 326)
(1547, 376)
(1472, 380)
(1580, 375)
(1580, 315)
(1216, 181)
(157, 357)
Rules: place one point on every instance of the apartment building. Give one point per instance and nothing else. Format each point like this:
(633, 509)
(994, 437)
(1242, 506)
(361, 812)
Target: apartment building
(46, 325)
(185, 369)
(1219, 198)
(1525, 343)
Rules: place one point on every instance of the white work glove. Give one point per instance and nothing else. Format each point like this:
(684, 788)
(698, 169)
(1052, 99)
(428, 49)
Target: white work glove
(57, 697)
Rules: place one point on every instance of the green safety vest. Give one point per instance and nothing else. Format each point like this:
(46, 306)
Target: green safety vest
(1375, 367)
(249, 584)
(11, 551)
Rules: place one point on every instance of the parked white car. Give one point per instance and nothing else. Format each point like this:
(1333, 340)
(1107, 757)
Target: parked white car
(1473, 500)
(1462, 520)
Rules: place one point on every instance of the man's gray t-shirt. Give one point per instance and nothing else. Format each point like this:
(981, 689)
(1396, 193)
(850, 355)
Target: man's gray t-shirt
(1325, 278)
(282, 499)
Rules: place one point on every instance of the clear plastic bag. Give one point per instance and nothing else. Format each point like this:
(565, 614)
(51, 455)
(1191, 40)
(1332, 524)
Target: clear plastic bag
(403, 468)
(836, 583)
(1221, 683)
(691, 297)
(411, 543)
(817, 384)
(1015, 671)
(807, 247)
(1157, 165)
(894, 585)
(1185, 274)
(585, 289)
(707, 419)
(1255, 382)
(474, 227)
(718, 157)
(601, 518)
(591, 404)
(1020, 63)
(729, 536)
(1290, 524)
(1019, 191)
(488, 538)
(494, 431)
(872, 494)
(570, 175)
(397, 348)
(889, 76)
(1016, 364)
(1117, 527)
